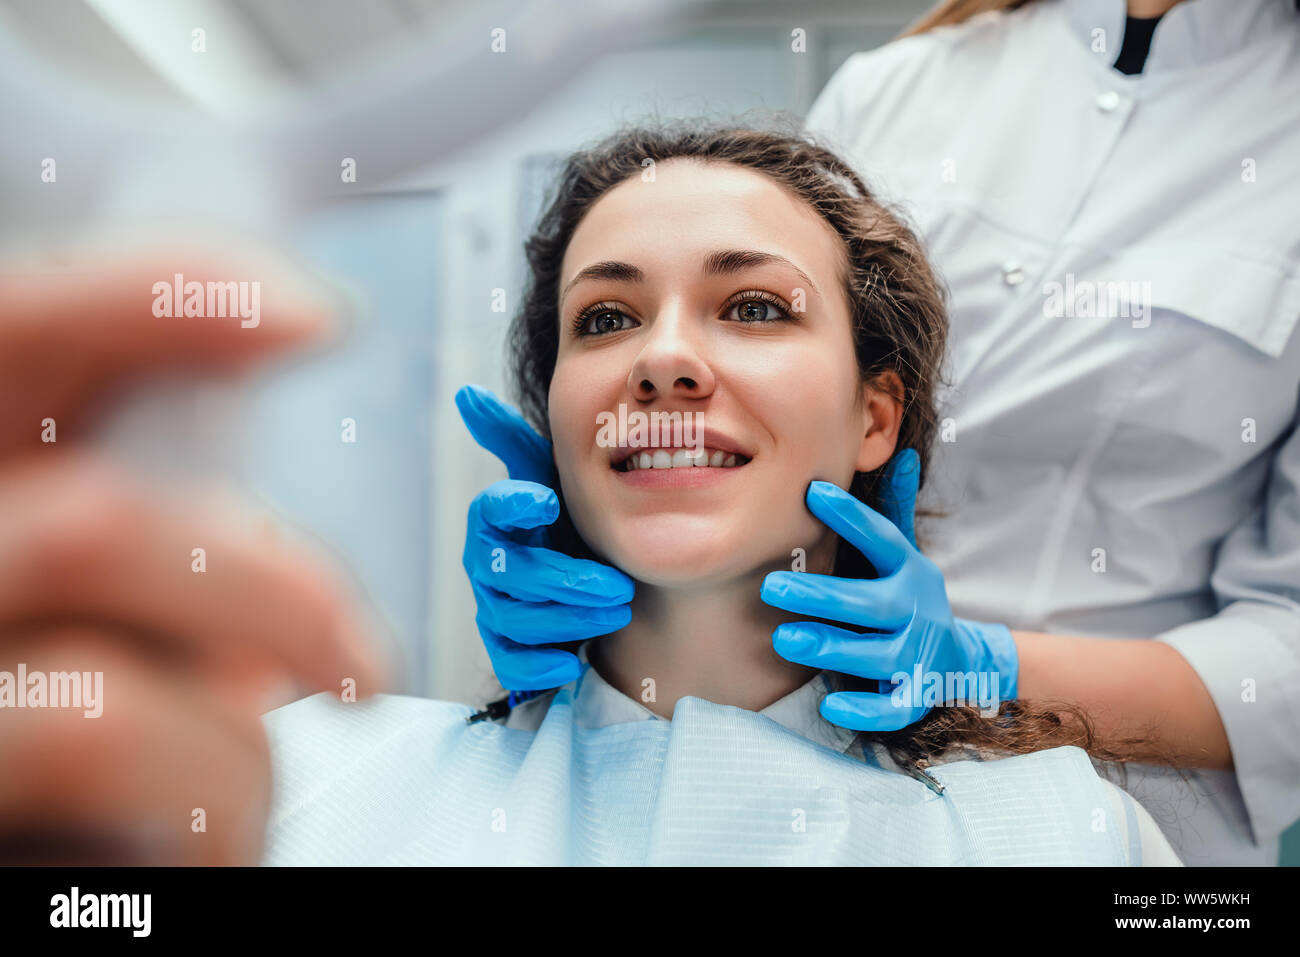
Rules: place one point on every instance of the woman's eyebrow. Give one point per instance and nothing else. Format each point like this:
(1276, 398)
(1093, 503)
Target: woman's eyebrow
(720, 262)
(609, 269)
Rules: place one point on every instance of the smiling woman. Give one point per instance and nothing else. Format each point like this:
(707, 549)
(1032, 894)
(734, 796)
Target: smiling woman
(749, 278)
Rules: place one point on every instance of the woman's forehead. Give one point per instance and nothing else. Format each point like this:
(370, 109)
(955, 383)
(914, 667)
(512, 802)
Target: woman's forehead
(684, 209)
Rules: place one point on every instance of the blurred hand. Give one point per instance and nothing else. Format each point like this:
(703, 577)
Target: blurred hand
(95, 576)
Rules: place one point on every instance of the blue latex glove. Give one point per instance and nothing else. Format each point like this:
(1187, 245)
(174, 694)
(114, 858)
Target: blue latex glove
(529, 595)
(907, 605)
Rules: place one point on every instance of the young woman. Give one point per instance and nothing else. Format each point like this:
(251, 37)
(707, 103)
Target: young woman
(749, 282)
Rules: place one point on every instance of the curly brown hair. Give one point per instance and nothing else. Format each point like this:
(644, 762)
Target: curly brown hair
(900, 325)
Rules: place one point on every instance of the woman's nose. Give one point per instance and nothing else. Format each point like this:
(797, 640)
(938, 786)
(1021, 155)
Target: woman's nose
(673, 360)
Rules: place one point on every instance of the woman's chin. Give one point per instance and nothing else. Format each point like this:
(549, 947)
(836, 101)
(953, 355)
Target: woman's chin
(681, 561)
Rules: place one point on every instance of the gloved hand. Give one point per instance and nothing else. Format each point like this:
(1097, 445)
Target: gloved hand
(529, 595)
(907, 604)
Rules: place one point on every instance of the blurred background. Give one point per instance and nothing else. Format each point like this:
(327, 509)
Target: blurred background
(244, 126)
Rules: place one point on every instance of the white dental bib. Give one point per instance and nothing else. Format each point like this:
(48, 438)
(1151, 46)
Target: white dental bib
(401, 780)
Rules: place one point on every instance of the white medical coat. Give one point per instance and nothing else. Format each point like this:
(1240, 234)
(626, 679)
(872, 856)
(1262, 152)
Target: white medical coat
(1109, 472)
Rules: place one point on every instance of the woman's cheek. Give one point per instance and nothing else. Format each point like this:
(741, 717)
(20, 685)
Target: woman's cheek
(577, 496)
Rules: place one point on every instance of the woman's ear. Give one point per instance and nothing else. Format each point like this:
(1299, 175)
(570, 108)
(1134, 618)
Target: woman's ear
(882, 418)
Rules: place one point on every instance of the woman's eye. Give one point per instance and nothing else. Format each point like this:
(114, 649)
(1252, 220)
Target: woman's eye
(757, 310)
(750, 308)
(601, 322)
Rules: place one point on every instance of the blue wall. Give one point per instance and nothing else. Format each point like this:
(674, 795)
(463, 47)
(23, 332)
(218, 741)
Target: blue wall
(370, 500)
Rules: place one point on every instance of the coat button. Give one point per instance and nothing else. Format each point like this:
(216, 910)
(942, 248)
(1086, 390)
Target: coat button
(1106, 102)
(1013, 274)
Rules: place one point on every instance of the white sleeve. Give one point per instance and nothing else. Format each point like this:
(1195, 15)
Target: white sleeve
(1248, 654)
(1146, 843)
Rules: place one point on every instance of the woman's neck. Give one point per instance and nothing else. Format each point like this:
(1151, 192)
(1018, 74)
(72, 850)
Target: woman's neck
(713, 642)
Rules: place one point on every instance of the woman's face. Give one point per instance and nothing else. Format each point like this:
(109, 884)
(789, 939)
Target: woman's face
(707, 290)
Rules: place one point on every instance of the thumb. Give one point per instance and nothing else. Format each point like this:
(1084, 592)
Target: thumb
(499, 427)
(898, 496)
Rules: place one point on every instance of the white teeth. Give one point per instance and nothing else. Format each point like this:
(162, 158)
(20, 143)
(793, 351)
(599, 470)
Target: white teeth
(681, 458)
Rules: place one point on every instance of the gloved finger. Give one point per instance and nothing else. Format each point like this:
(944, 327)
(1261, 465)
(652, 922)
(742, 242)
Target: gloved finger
(871, 603)
(531, 573)
(512, 504)
(539, 623)
(824, 646)
(502, 430)
(521, 668)
(864, 711)
(543, 575)
(902, 477)
(860, 525)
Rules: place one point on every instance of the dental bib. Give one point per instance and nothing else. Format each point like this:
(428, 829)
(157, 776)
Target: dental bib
(401, 780)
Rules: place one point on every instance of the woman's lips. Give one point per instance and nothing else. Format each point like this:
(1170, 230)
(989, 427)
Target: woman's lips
(690, 477)
(709, 439)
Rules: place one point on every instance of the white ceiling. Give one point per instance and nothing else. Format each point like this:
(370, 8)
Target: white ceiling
(259, 49)
(256, 49)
